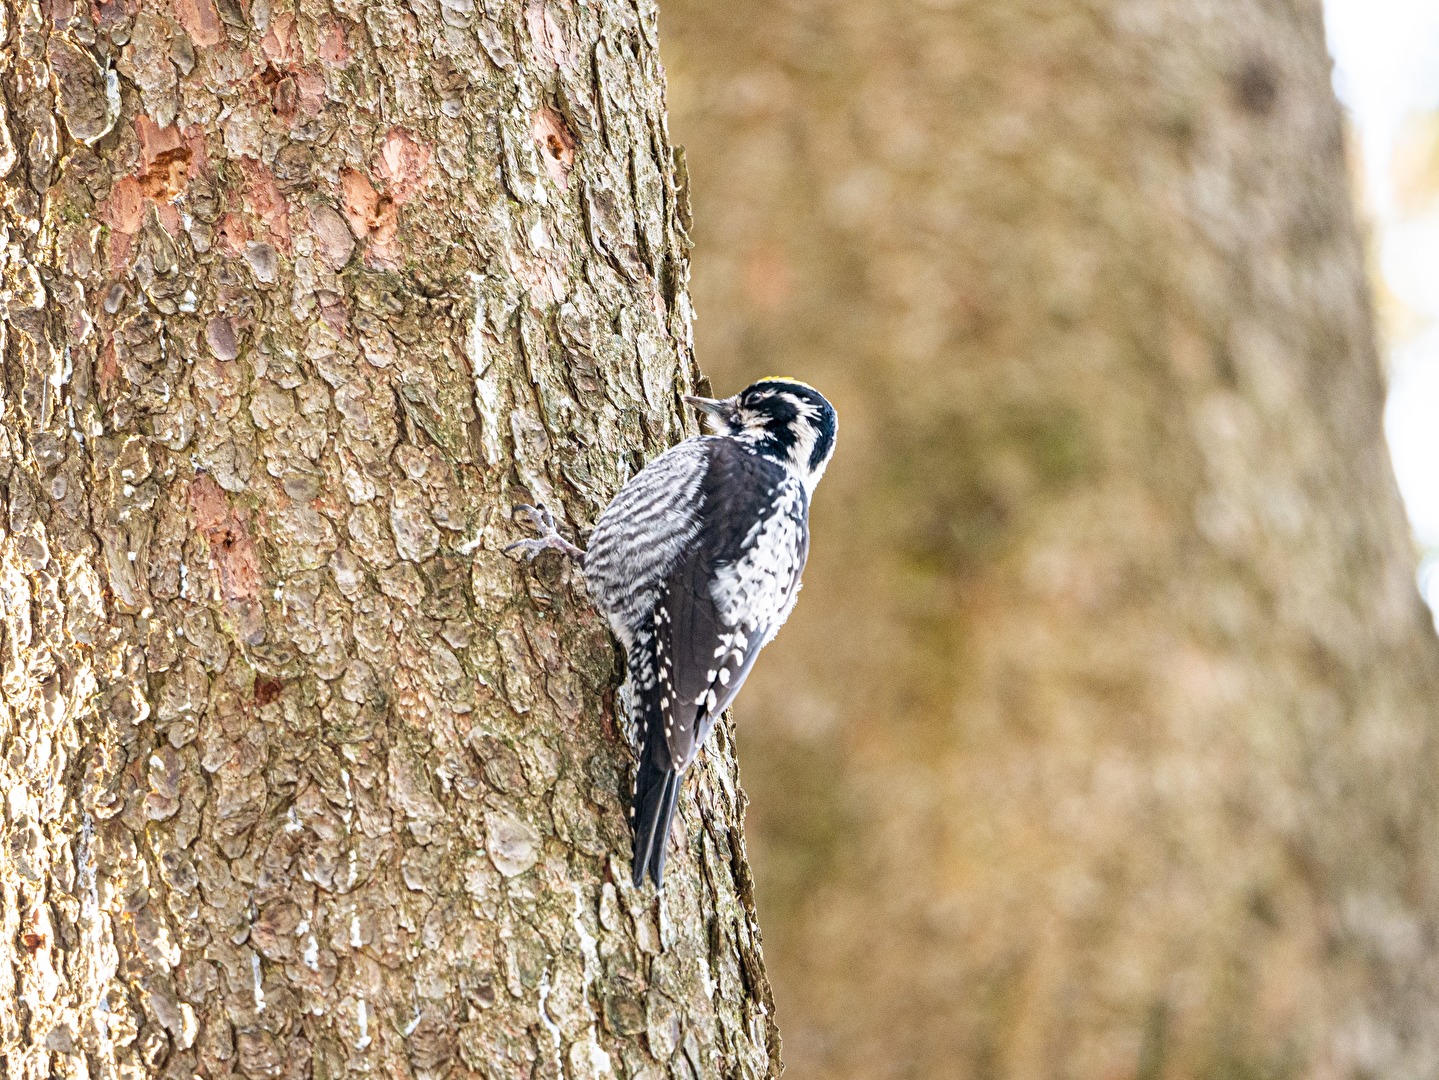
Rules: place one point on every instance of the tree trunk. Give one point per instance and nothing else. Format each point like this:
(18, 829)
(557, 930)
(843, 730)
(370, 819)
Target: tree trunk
(1103, 743)
(304, 777)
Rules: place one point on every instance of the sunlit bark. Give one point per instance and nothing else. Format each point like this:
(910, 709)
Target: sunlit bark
(303, 777)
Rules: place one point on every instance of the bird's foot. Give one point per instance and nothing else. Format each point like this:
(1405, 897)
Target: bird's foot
(549, 538)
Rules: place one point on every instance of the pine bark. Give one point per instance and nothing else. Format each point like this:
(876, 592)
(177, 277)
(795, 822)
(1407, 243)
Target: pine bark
(303, 777)
(1103, 743)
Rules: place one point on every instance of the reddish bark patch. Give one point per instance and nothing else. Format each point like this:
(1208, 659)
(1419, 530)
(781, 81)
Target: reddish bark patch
(290, 88)
(232, 552)
(402, 164)
(283, 77)
(108, 370)
(312, 92)
(557, 145)
(284, 92)
(263, 199)
(168, 159)
(333, 47)
(199, 159)
(281, 45)
(371, 216)
(108, 15)
(209, 508)
(232, 234)
(124, 208)
(267, 689)
(156, 143)
(360, 203)
(169, 215)
(200, 20)
(546, 36)
(164, 160)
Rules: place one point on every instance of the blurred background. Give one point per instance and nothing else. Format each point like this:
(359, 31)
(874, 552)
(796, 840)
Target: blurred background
(1098, 745)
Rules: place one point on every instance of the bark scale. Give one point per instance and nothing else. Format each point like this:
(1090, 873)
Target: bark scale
(1103, 742)
(303, 778)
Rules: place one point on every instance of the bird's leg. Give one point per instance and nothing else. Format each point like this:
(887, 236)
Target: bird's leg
(549, 538)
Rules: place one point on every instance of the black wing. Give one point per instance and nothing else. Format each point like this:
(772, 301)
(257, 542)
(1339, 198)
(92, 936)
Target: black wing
(727, 592)
(719, 605)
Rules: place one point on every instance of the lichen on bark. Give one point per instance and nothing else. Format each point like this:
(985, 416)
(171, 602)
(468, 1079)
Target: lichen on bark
(304, 777)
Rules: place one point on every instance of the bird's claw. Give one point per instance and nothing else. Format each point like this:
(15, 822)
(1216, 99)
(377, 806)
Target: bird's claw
(542, 520)
(540, 517)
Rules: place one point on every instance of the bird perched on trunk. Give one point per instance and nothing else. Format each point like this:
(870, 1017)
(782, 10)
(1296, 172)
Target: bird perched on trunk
(696, 564)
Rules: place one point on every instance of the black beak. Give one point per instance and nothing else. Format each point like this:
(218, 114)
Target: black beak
(719, 413)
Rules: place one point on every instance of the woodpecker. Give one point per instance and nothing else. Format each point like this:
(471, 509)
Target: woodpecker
(696, 565)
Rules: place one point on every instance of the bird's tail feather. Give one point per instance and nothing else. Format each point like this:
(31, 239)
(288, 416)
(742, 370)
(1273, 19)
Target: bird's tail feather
(656, 795)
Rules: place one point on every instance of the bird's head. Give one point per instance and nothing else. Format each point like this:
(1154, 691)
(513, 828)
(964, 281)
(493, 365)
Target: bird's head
(783, 419)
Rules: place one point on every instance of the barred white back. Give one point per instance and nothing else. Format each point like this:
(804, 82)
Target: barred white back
(642, 534)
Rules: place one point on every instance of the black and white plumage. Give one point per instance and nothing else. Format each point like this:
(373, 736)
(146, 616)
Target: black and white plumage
(696, 563)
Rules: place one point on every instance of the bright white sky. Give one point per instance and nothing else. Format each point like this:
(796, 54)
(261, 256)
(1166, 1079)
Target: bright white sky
(1386, 56)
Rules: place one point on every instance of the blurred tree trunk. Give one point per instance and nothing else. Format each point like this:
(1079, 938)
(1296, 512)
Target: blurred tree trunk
(1103, 743)
(303, 777)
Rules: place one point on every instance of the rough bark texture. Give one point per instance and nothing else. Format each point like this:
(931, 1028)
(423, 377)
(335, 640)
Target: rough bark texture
(304, 777)
(1103, 743)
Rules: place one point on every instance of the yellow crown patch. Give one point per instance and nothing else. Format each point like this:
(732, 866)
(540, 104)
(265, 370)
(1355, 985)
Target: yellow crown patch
(787, 379)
